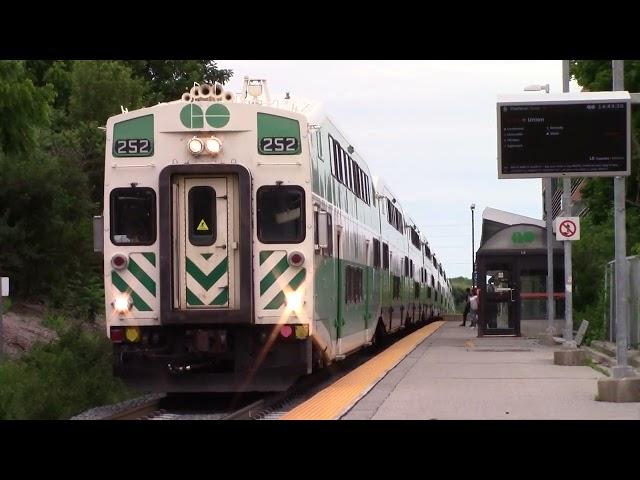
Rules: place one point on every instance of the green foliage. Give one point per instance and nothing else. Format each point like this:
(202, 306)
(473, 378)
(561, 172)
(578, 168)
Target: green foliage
(61, 379)
(167, 80)
(45, 221)
(99, 88)
(459, 286)
(24, 108)
(596, 246)
(53, 165)
(6, 304)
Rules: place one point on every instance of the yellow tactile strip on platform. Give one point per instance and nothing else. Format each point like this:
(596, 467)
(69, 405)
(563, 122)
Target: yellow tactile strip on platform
(335, 400)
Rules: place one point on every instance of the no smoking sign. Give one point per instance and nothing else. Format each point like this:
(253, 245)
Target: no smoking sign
(567, 228)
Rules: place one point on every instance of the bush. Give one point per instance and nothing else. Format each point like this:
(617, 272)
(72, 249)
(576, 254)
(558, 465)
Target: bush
(61, 379)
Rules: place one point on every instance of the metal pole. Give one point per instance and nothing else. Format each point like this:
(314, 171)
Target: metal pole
(473, 252)
(566, 206)
(568, 296)
(550, 304)
(622, 277)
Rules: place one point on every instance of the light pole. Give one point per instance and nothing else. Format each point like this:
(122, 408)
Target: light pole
(473, 252)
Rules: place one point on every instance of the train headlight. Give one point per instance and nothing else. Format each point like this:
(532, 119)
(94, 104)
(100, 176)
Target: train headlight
(214, 145)
(122, 303)
(294, 300)
(196, 146)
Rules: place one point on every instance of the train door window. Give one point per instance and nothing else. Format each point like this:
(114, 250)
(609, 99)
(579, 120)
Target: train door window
(281, 215)
(396, 287)
(376, 253)
(202, 215)
(411, 268)
(133, 216)
(416, 290)
(385, 256)
(406, 266)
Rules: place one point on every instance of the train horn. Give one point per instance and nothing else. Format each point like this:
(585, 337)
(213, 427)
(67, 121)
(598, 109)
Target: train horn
(186, 96)
(206, 91)
(228, 96)
(195, 92)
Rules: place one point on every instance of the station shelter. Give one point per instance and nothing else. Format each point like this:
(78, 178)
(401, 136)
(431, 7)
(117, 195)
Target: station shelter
(512, 275)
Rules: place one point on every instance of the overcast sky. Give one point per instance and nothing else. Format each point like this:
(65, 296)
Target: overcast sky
(428, 128)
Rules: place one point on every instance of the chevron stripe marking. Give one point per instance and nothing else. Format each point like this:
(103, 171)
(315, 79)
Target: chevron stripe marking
(138, 303)
(264, 254)
(273, 275)
(142, 276)
(151, 257)
(207, 281)
(222, 298)
(279, 299)
(192, 299)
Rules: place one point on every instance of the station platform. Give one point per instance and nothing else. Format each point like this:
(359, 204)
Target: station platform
(454, 375)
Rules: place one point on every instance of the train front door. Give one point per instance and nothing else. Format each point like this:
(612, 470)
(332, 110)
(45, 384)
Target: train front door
(498, 298)
(201, 241)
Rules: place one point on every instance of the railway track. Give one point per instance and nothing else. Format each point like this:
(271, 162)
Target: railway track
(240, 407)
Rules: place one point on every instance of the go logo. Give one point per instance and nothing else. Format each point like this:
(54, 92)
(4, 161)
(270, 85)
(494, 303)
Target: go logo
(523, 237)
(217, 116)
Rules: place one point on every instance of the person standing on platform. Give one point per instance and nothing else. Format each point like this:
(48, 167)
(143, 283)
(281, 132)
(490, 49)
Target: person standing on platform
(467, 307)
(473, 302)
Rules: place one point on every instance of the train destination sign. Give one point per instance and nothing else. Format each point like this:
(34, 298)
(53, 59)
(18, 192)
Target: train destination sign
(584, 134)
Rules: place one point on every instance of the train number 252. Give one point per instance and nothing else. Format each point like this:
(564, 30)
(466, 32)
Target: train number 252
(279, 144)
(133, 146)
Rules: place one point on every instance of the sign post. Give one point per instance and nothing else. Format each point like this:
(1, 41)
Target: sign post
(621, 370)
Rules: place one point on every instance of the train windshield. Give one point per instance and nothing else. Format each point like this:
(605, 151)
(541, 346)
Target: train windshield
(281, 215)
(133, 217)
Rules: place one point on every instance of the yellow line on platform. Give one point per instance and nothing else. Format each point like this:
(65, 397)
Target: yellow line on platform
(335, 400)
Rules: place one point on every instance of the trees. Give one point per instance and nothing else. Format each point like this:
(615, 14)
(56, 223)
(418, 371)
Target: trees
(52, 163)
(596, 247)
(23, 107)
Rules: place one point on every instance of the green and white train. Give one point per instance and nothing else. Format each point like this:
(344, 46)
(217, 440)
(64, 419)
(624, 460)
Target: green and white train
(245, 242)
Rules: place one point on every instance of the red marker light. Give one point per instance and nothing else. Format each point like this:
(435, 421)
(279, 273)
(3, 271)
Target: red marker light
(296, 259)
(119, 261)
(286, 331)
(117, 334)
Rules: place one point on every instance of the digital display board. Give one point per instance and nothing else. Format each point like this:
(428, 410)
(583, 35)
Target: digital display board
(577, 135)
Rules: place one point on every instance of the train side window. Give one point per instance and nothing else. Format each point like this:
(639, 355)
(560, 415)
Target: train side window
(376, 253)
(416, 290)
(319, 144)
(353, 284)
(396, 287)
(202, 215)
(133, 216)
(406, 266)
(281, 214)
(385, 256)
(411, 268)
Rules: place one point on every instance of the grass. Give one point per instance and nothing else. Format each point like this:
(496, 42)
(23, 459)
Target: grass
(590, 363)
(60, 379)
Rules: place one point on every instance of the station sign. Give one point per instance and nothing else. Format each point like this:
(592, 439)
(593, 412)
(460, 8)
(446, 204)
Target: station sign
(567, 228)
(584, 134)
